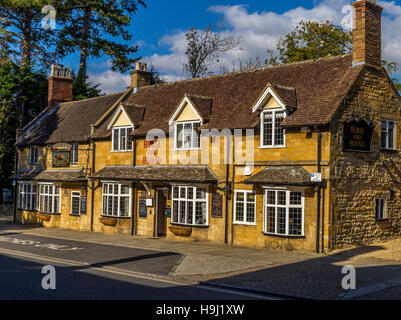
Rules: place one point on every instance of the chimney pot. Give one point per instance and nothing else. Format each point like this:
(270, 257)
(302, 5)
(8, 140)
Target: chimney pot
(140, 77)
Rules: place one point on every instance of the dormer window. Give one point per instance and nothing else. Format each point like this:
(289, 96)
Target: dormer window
(186, 135)
(272, 134)
(121, 139)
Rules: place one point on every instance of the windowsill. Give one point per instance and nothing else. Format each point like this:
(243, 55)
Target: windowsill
(388, 150)
(51, 214)
(111, 217)
(128, 151)
(283, 236)
(244, 224)
(272, 147)
(189, 225)
(382, 220)
(27, 210)
(75, 215)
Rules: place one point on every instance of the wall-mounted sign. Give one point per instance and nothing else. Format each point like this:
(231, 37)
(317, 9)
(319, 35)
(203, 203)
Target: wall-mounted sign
(316, 177)
(83, 205)
(357, 135)
(62, 146)
(143, 210)
(149, 202)
(61, 159)
(217, 205)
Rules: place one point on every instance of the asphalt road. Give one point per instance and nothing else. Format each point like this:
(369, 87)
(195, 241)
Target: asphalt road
(92, 271)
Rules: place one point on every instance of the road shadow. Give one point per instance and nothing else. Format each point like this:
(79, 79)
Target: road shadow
(317, 278)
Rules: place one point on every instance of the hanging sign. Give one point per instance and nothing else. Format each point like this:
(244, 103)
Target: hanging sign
(61, 159)
(357, 135)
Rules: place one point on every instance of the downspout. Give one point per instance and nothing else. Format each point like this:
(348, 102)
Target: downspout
(318, 188)
(93, 182)
(15, 189)
(133, 191)
(227, 188)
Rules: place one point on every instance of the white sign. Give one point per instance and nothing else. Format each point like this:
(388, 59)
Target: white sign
(316, 177)
(149, 202)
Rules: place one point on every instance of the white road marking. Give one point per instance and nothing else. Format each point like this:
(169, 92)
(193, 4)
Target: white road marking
(128, 273)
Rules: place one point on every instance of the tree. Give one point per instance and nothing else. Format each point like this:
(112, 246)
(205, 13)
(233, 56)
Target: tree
(89, 27)
(203, 49)
(156, 78)
(23, 95)
(82, 89)
(21, 31)
(312, 40)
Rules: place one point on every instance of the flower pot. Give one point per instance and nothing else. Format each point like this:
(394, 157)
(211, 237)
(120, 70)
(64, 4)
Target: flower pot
(112, 222)
(181, 231)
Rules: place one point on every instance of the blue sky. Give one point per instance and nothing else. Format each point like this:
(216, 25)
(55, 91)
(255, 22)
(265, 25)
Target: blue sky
(159, 30)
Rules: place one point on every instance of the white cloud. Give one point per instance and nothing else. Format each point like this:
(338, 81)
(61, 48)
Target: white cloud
(110, 82)
(261, 30)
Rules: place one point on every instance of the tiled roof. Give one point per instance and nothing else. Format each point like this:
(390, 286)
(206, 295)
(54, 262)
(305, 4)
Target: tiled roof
(297, 176)
(68, 122)
(50, 175)
(316, 87)
(157, 173)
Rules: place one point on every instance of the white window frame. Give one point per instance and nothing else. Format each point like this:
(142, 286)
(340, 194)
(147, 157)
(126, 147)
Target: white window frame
(384, 213)
(50, 196)
(75, 194)
(287, 206)
(194, 200)
(33, 155)
(119, 195)
(394, 138)
(192, 147)
(129, 144)
(273, 145)
(75, 154)
(244, 222)
(26, 197)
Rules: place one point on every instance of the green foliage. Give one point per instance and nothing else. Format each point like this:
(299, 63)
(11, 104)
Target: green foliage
(91, 28)
(82, 89)
(22, 97)
(312, 40)
(156, 78)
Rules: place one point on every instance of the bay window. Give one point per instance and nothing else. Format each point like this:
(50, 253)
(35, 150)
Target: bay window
(190, 206)
(27, 196)
(121, 141)
(116, 200)
(244, 207)
(49, 199)
(272, 134)
(284, 212)
(187, 135)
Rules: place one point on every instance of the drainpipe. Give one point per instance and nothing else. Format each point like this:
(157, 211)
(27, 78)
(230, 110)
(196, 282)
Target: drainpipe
(93, 183)
(133, 191)
(15, 189)
(227, 188)
(318, 188)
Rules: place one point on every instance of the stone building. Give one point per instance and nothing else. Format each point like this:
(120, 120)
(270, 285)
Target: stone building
(295, 156)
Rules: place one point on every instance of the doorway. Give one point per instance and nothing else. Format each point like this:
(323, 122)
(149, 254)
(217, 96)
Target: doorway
(161, 220)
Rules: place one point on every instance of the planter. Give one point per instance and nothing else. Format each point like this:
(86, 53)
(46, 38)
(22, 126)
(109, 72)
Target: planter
(112, 222)
(181, 231)
(44, 217)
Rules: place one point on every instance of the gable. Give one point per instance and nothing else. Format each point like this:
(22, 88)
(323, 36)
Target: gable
(187, 114)
(122, 121)
(271, 104)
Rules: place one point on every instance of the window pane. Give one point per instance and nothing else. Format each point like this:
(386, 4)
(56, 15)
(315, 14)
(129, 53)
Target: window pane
(200, 193)
(282, 198)
(175, 212)
(271, 220)
(250, 212)
(75, 205)
(115, 139)
(295, 198)
(279, 131)
(190, 212)
(391, 135)
(295, 221)
(175, 192)
(179, 135)
(281, 224)
(267, 129)
(239, 207)
(124, 206)
(200, 214)
(240, 196)
(182, 212)
(190, 193)
(196, 135)
(271, 197)
(123, 139)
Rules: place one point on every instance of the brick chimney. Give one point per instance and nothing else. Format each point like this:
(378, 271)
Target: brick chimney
(60, 85)
(367, 33)
(140, 77)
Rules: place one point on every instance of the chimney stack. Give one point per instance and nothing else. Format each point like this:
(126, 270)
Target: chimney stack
(367, 34)
(60, 85)
(140, 77)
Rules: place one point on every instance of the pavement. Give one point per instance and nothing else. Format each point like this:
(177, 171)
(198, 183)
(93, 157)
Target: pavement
(293, 274)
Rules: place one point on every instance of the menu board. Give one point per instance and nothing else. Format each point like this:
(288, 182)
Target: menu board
(217, 205)
(143, 210)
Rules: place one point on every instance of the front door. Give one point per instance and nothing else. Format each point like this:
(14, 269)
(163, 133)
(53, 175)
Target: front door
(161, 217)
